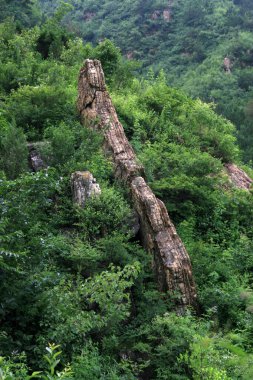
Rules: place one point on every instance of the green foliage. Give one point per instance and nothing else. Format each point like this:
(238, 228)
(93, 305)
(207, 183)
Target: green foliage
(62, 141)
(71, 147)
(52, 359)
(165, 113)
(91, 365)
(72, 275)
(188, 38)
(104, 214)
(14, 152)
(36, 107)
(17, 369)
(74, 311)
(53, 38)
(13, 371)
(109, 56)
(163, 341)
(217, 358)
(24, 12)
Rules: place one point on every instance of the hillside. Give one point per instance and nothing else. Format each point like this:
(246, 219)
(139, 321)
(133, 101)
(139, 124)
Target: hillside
(191, 40)
(81, 296)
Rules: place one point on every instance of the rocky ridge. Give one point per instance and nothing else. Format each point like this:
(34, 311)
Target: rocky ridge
(171, 260)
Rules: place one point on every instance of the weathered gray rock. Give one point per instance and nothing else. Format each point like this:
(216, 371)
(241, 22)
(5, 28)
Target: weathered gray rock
(35, 160)
(227, 65)
(171, 261)
(84, 186)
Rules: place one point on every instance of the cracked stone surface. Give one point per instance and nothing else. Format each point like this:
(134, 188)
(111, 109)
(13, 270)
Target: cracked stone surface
(84, 186)
(159, 237)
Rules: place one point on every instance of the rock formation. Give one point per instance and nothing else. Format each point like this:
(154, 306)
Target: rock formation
(171, 261)
(83, 186)
(35, 160)
(165, 14)
(227, 65)
(238, 177)
(155, 15)
(88, 16)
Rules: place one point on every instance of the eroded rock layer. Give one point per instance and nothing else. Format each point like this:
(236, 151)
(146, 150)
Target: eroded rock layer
(159, 236)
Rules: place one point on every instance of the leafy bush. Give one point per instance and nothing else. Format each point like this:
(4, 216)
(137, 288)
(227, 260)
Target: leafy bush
(104, 214)
(13, 149)
(18, 370)
(34, 108)
(98, 305)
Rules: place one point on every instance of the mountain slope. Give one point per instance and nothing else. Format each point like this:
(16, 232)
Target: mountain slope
(77, 276)
(190, 40)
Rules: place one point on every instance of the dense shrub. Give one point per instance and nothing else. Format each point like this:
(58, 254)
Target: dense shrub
(13, 149)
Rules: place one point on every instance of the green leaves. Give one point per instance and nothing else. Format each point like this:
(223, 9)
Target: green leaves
(36, 107)
(73, 311)
(104, 214)
(72, 275)
(108, 291)
(217, 358)
(52, 359)
(19, 371)
(13, 149)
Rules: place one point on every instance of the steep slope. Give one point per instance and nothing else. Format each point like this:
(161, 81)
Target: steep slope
(24, 12)
(77, 275)
(191, 40)
(172, 35)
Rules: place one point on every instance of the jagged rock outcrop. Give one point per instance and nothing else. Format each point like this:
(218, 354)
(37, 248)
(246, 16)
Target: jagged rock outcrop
(238, 177)
(227, 65)
(88, 16)
(35, 160)
(129, 55)
(165, 14)
(155, 15)
(84, 186)
(171, 260)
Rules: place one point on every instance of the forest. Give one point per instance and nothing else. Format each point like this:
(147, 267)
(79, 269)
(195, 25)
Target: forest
(79, 294)
(189, 39)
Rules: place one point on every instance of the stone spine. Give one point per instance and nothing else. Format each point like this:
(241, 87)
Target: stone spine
(171, 260)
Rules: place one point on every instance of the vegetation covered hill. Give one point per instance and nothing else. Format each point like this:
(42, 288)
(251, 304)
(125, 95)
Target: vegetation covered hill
(25, 12)
(77, 277)
(188, 39)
